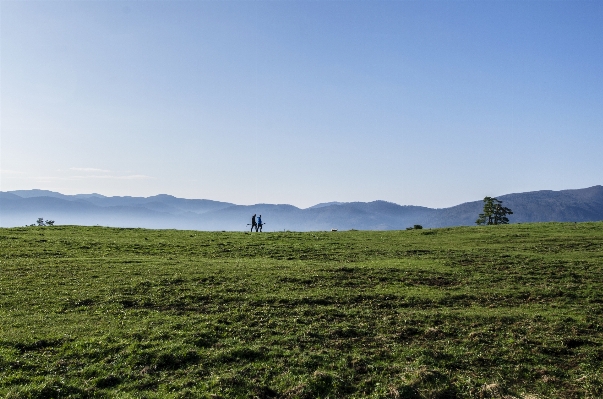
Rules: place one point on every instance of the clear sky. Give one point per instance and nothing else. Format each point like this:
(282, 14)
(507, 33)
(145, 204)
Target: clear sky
(419, 103)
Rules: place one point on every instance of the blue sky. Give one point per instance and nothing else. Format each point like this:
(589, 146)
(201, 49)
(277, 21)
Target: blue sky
(419, 103)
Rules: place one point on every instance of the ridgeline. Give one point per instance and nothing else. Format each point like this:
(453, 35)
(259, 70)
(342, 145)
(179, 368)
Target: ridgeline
(20, 208)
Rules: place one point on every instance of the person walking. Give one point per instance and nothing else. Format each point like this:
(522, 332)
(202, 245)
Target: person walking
(253, 223)
(259, 226)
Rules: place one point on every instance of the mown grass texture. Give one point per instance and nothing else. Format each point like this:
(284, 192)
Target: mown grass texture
(471, 312)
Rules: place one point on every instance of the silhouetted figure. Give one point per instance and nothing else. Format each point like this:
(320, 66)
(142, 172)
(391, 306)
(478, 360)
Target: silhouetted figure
(253, 223)
(259, 226)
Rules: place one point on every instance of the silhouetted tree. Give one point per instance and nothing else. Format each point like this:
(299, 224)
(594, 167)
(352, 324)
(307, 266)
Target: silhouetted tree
(40, 222)
(493, 213)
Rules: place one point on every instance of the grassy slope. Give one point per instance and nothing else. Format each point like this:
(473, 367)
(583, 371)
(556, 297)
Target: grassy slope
(461, 312)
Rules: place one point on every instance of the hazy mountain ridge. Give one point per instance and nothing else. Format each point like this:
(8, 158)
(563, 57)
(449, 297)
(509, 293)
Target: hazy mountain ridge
(18, 208)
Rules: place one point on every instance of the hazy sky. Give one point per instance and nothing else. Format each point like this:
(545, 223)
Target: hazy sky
(424, 103)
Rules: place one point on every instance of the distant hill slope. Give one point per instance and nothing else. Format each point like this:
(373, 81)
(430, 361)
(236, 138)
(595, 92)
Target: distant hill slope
(18, 208)
(536, 206)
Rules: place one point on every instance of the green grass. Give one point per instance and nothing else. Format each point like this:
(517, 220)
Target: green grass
(469, 312)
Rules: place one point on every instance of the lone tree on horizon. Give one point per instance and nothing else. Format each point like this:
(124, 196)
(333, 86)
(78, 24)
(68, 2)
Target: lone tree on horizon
(494, 212)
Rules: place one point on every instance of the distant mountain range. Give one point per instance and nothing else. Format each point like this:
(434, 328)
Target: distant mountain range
(23, 207)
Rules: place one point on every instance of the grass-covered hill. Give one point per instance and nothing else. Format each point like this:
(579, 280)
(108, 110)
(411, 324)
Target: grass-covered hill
(473, 312)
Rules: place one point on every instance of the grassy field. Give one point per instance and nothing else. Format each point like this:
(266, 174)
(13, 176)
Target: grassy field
(470, 312)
